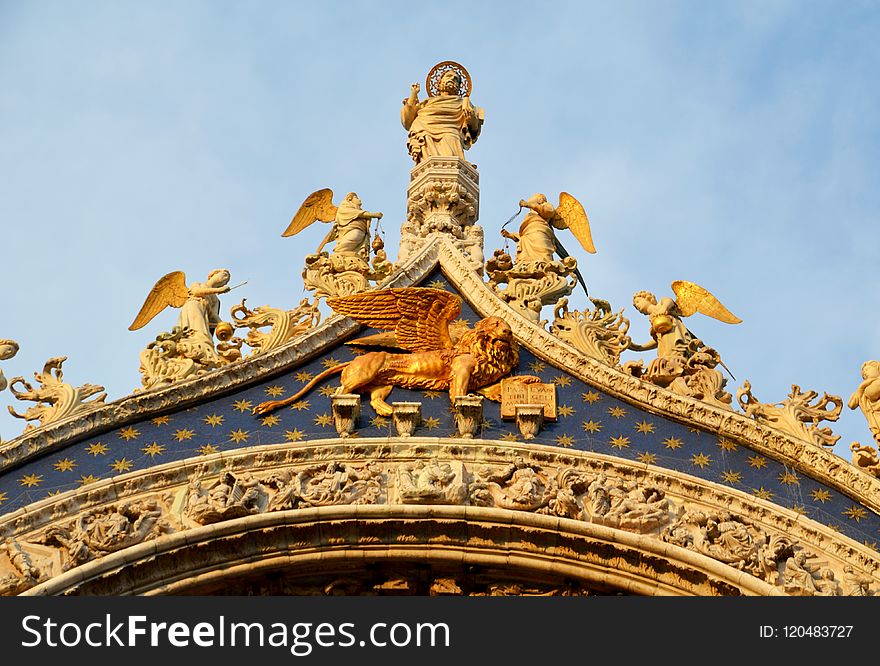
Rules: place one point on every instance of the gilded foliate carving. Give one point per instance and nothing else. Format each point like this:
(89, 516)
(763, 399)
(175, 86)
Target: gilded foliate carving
(283, 325)
(795, 415)
(684, 364)
(55, 400)
(600, 333)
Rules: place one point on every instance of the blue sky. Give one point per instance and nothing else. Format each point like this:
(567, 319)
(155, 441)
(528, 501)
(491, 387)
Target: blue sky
(731, 144)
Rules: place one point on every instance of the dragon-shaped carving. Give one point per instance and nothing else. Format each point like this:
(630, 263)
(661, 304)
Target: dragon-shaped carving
(420, 319)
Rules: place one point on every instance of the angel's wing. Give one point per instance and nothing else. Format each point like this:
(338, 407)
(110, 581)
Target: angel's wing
(418, 316)
(169, 290)
(317, 206)
(575, 217)
(693, 298)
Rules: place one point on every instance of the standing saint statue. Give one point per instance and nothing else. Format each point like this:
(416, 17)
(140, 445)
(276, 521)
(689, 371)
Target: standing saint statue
(446, 123)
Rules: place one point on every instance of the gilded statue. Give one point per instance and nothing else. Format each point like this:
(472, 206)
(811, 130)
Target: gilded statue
(351, 223)
(346, 270)
(684, 364)
(198, 303)
(189, 348)
(446, 123)
(535, 278)
(867, 397)
(420, 319)
(536, 240)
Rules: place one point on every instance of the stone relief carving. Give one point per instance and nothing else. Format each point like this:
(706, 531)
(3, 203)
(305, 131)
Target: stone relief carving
(54, 399)
(805, 577)
(600, 334)
(98, 532)
(328, 484)
(431, 482)
(228, 497)
(519, 486)
(795, 415)
(632, 504)
(732, 540)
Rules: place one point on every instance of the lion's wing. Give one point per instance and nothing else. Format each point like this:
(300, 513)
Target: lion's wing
(419, 316)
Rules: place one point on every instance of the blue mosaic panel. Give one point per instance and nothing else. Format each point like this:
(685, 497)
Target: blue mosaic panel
(589, 420)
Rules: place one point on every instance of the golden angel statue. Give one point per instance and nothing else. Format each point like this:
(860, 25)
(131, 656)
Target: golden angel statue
(420, 319)
(536, 240)
(446, 123)
(351, 228)
(198, 303)
(684, 364)
(189, 348)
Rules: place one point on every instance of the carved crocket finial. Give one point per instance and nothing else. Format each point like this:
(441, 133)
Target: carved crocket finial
(55, 400)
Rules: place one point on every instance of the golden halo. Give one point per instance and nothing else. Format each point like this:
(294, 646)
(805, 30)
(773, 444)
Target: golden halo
(438, 70)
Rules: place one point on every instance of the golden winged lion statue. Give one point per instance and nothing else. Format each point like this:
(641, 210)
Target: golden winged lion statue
(420, 320)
